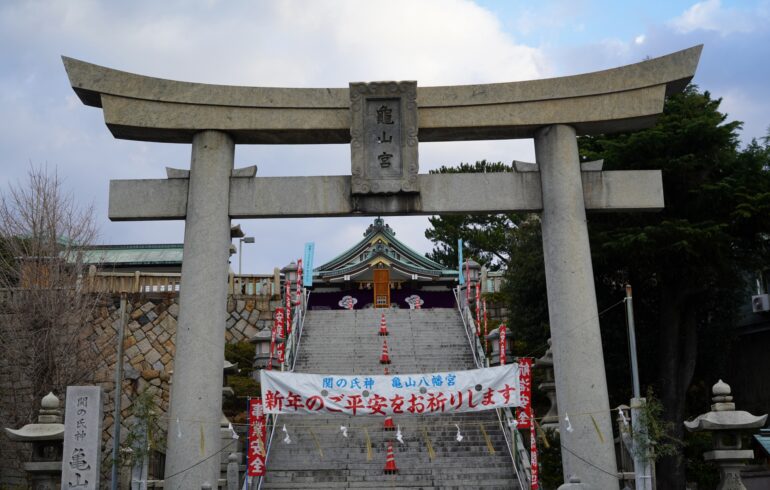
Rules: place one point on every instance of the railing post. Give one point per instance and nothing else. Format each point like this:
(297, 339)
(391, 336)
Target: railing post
(232, 472)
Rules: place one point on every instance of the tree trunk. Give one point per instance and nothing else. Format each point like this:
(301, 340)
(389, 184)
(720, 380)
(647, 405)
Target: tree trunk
(677, 344)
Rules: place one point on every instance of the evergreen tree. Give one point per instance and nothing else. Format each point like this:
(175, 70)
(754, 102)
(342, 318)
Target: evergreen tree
(485, 237)
(688, 263)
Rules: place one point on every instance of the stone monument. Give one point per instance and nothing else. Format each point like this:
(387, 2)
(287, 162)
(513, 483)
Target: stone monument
(82, 438)
(214, 118)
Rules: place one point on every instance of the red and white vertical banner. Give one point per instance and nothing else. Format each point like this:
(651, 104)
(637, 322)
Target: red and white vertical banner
(524, 414)
(299, 282)
(257, 438)
(288, 307)
(533, 457)
(501, 331)
(280, 332)
(486, 342)
(478, 309)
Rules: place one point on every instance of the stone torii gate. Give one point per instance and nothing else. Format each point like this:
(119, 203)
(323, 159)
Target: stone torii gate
(382, 122)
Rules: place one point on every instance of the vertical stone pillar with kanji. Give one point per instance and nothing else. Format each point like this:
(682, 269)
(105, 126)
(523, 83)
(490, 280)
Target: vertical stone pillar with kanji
(82, 438)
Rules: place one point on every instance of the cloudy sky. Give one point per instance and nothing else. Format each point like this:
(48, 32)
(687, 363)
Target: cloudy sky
(304, 43)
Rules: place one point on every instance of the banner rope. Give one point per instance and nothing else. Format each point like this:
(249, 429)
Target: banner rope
(379, 418)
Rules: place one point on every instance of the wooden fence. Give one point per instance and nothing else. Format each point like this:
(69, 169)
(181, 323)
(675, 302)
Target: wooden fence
(265, 285)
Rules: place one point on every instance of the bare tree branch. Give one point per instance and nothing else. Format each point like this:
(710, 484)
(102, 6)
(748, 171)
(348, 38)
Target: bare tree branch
(45, 313)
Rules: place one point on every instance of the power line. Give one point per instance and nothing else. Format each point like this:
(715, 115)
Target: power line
(201, 461)
(614, 475)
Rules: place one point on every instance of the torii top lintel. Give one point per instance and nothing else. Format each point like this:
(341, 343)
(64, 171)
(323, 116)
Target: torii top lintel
(143, 108)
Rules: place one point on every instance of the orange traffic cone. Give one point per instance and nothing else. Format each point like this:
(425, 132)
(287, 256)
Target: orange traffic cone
(383, 326)
(390, 461)
(384, 358)
(389, 423)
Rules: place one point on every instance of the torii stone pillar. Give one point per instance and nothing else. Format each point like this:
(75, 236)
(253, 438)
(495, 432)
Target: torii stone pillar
(196, 395)
(552, 111)
(581, 383)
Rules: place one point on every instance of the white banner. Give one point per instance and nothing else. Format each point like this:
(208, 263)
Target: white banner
(417, 394)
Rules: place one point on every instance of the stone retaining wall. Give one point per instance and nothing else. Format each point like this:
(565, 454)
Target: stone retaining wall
(148, 357)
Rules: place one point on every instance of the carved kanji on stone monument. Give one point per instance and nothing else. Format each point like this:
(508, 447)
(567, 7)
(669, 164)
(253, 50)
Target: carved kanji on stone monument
(383, 146)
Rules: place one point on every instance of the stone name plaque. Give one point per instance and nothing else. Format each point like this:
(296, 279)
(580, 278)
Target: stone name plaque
(82, 438)
(383, 144)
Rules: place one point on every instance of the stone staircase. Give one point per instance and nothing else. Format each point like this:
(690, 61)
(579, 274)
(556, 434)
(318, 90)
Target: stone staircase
(346, 342)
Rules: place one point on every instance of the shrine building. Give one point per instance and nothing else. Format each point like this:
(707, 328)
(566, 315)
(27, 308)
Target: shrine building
(382, 272)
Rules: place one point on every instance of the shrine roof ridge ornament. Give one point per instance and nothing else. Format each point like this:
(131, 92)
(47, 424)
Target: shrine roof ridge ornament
(144, 108)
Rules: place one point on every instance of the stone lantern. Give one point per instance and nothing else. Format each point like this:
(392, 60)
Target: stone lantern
(494, 340)
(47, 438)
(551, 418)
(261, 343)
(726, 425)
(474, 270)
(472, 273)
(290, 275)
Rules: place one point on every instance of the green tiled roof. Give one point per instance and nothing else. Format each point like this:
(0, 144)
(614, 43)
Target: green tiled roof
(150, 254)
(397, 252)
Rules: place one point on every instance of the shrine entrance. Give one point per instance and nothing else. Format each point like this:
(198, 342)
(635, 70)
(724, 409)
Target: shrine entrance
(382, 122)
(381, 288)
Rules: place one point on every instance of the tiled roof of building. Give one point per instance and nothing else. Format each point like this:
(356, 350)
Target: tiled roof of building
(380, 241)
(122, 255)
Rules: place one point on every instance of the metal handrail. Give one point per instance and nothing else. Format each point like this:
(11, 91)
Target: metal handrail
(292, 345)
(515, 447)
(469, 331)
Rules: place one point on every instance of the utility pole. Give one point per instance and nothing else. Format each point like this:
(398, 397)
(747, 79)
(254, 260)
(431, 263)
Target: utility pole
(118, 393)
(642, 464)
(248, 239)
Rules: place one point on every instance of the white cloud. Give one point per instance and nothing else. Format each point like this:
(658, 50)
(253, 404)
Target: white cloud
(287, 43)
(710, 15)
(640, 39)
(542, 17)
(741, 105)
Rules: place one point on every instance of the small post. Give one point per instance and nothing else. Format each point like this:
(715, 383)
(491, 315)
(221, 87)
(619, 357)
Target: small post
(232, 472)
(118, 393)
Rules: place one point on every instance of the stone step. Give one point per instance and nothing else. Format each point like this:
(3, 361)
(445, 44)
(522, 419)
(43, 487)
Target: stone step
(420, 341)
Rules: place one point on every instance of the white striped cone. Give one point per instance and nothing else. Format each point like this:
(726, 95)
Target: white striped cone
(383, 326)
(385, 357)
(390, 461)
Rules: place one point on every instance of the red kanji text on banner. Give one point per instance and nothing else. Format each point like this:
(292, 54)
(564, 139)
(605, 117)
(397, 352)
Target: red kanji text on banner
(524, 414)
(417, 394)
(257, 438)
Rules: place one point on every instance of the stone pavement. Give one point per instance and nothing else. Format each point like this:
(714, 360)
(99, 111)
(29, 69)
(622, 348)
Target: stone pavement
(343, 342)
